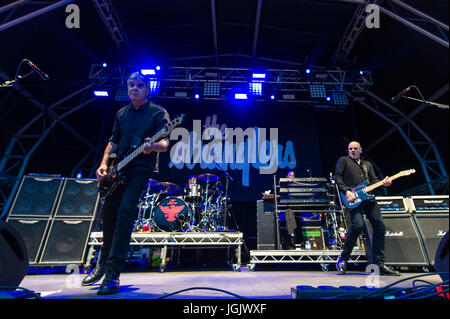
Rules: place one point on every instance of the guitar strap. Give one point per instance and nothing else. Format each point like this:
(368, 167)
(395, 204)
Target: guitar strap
(365, 170)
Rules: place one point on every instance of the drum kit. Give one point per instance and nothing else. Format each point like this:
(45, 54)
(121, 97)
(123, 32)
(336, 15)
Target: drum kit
(166, 207)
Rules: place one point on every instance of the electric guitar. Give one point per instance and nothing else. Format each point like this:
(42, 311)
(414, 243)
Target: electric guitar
(115, 175)
(361, 190)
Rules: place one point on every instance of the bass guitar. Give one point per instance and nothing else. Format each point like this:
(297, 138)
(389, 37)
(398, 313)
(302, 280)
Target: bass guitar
(361, 190)
(115, 175)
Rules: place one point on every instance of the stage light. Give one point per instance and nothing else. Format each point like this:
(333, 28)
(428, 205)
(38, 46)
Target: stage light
(361, 72)
(158, 68)
(148, 72)
(101, 93)
(105, 64)
(328, 98)
(308, 71)
(211, 89)
(240, 96)
(197, 96)
(255, 88)
(340, 98)
(259, 75)
(154, 87)
(317, 90)
(272, 97)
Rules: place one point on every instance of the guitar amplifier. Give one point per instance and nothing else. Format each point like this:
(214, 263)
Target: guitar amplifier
(393, 204)
(432, 204)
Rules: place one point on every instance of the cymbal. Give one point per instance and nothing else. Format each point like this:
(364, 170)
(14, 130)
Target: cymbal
(168, 187)
(151, 182)
(208, 177)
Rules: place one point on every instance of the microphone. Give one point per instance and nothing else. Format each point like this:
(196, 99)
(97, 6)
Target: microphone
(44, 76)
(395, 98)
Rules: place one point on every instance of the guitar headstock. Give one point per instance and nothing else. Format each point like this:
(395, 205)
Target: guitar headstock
(172, 124)
(407, 172)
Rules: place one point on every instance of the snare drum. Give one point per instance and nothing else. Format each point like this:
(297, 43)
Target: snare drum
(193, 193)
(171, 213)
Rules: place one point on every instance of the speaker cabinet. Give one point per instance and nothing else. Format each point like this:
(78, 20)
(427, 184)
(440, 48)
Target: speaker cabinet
(13, 256)
(403, 245)
(36, 196)
(266, 226)
(432, 227)
(79, 198)
(66, 242)
(33, 232)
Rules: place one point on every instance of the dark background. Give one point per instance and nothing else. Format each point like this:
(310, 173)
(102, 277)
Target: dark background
(298, 31)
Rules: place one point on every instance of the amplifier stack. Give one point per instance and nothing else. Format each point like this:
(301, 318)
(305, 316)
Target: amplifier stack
(414, 228)
(54, 216)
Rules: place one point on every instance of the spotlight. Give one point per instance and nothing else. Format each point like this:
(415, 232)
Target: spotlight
(308, 71)
(259, 75)
(197, 96)
(158, 68)
(361, 72)
(148, 72)
(105, 64)
(240, 96)
(272, 97)
(101, 93)
(328, 98)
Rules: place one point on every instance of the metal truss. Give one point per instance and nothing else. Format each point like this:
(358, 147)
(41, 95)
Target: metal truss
(166, 239)
(406, 15)
(303, 256)
(177, 239)
(189, 75)
(112, 23)
(422, 146)
(5, 24)
(352, 33)
(27, 139)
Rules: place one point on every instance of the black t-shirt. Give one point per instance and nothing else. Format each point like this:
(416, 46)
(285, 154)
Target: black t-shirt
(133, 125)
(349, 173)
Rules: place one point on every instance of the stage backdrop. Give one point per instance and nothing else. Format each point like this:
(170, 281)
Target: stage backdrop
(251, 142)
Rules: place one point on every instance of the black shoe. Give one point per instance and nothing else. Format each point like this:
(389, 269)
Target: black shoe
(386, 271)
(94, 276)
(110, 285)
(341, 265)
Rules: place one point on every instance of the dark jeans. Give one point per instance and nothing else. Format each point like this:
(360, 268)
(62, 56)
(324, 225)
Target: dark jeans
(373, 213)
(119, 214)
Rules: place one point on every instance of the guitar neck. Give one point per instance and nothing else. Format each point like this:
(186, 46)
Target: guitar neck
(137, 151)
(380, 183)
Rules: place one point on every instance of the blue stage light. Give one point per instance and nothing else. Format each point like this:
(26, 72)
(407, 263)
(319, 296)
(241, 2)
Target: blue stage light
(328, 98)
(259, 76)
(105, 64)
(255, 88)
(197, 96)
(361, 72)
(101, 93)
(240, 96)
(158, 68)
(308, 71)
(148, 72)
(272, 97)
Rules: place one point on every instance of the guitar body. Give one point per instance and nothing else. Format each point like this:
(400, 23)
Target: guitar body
(109, 183)
(115, 174)
(360, 195)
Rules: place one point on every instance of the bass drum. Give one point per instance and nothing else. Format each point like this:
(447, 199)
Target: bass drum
(171, 213)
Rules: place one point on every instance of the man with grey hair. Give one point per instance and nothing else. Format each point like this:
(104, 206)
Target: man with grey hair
(134, 124)
(351, 170)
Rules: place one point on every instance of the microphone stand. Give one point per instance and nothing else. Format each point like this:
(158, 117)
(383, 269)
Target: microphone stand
(17, 77)
(442, 106)
(227, 179)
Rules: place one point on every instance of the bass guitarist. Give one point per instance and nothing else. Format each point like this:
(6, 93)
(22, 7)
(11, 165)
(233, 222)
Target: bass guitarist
(350, 171)
(133, 124)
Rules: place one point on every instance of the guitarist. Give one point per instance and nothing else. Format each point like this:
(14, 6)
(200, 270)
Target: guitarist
(350, 171)
(133, 124)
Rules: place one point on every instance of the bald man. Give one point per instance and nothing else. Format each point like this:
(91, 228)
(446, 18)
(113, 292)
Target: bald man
(350, 171)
